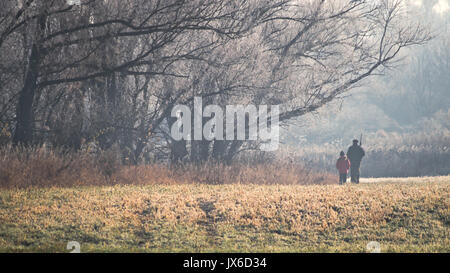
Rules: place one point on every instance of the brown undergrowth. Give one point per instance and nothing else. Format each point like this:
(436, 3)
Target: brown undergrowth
(44, 167)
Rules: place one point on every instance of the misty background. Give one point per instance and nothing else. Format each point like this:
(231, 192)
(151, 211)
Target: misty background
(411, 98)
(102, 77)
(404, 116)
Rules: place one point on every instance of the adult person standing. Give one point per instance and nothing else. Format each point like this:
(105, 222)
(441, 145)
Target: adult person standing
(355, 153)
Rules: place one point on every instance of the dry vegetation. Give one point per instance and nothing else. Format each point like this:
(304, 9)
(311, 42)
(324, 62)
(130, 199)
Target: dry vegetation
(50, 197)
(405, 217)
(45, 167)
(427, 179)
(387, 155)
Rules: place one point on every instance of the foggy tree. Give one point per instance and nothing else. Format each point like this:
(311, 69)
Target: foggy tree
(418, 89)
(67, 42)
(317, 51)
(111, 71)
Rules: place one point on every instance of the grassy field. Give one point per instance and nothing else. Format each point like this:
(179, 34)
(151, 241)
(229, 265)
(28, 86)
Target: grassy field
(403, 217)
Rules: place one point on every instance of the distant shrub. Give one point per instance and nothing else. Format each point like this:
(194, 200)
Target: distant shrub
(44, 167)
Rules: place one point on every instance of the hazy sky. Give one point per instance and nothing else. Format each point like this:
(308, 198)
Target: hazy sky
(441, 7)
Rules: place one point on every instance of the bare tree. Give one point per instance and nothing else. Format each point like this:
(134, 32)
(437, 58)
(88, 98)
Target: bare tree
(111, 71)
(69, 42)
(309, 53)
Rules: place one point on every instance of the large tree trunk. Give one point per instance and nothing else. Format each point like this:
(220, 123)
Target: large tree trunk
(178, 149)
(24, 111)
(219, 150)
(233, 150)
(199, 151)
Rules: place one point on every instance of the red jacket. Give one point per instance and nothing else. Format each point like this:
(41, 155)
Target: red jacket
(343, 164)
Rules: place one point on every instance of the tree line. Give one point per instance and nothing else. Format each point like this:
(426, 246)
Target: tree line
(110, 72)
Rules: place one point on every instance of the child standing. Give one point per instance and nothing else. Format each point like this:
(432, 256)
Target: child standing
(343, 165)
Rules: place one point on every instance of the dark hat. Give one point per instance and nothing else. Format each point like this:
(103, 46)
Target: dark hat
(355, 141)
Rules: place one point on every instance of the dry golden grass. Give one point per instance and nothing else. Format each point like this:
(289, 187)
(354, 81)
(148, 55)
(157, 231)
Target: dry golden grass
(43, 167)
(48, 198)
(403, 217)
(407, 179)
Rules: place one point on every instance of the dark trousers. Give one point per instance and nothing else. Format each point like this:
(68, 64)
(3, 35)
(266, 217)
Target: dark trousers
(342, 178)
(354, 172)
